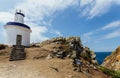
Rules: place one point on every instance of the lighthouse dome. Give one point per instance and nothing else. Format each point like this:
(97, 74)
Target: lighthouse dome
(17, 24)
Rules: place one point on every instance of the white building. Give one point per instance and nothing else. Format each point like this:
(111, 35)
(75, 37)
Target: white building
(18, 28)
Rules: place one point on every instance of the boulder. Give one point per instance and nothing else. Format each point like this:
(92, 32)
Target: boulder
(49, 57)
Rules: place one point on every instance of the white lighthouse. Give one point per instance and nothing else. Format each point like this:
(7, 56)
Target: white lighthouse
(18, 28)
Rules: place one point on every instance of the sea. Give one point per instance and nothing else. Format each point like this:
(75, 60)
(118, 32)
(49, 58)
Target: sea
(100, 56)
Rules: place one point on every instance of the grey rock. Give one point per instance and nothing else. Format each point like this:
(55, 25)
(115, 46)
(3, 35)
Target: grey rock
(18, 50)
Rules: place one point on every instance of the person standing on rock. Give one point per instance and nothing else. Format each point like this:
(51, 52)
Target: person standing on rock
(79, 65)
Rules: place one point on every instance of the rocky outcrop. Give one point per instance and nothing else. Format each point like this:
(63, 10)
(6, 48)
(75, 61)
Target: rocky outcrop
(113, 61)
(60, 47)
(70, 47)
(55, 56)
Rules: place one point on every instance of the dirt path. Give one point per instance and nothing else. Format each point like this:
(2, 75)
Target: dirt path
(36, 69)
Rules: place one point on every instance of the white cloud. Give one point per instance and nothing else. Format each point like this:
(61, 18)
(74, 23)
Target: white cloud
(57, 32)
(39, 9)
(39, 15)
(85, 2)
(112, 25)
(2, 35)
(117, 2)
(115, 25)
(113, 34)
(100, 7)
(96, 34)
(87, 36)
(5, 17)
(37, 34)
(93, 8)
(42, 12)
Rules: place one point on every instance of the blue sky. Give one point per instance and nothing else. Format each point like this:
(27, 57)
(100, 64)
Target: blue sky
(97, 22)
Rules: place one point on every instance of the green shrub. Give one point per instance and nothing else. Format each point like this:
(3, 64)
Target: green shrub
(86, 56)
(114, 74)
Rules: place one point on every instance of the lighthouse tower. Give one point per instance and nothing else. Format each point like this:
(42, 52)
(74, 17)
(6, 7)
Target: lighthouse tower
(18, 28)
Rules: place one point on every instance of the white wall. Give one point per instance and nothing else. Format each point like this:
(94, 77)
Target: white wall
(13, 31)
(19, 18)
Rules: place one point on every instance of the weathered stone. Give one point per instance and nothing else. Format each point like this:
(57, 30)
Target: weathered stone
(34, 45)
(94, 61)
(58, 56)
(61, 55)
(49, 56)
(18, 52)
(70, 47)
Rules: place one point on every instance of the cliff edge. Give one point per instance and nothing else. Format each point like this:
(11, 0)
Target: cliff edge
(113, 61)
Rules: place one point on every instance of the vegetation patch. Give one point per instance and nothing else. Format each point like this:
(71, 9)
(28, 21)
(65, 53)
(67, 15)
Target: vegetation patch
(109, 72)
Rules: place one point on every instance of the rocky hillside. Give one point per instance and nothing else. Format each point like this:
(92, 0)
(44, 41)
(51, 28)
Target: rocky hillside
(113, 61)
(54, 58)
(70, 47)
